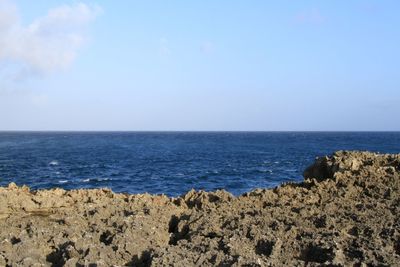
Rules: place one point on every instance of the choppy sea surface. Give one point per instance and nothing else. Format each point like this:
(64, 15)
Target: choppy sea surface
(173, 162)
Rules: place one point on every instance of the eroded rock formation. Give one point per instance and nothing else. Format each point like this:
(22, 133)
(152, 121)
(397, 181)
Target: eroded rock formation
(345, 213)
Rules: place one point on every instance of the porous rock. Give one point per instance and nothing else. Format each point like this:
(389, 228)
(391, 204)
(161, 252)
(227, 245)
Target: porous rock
(345, 213)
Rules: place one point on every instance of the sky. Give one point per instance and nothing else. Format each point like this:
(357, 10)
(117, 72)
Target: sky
(200, 65)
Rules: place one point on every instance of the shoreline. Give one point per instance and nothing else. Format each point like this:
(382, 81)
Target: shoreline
(345, 212)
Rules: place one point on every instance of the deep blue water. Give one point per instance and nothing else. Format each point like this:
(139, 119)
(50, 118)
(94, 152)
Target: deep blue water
(172, 162)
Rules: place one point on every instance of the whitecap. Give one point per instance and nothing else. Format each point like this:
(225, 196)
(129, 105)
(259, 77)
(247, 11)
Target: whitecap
(63, 181)
(262, 170)
(53, 163)
(95, 180)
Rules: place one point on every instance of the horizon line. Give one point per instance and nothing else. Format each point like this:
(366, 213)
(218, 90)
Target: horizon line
(199, 131)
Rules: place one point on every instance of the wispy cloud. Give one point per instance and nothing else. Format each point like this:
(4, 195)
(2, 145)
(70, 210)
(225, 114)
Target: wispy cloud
(207, 47)
(370, 7)
(164, 48)
(47, 44)
(39, 100)
(312, 15)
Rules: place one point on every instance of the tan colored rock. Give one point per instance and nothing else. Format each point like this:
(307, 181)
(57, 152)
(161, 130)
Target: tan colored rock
(345, 213)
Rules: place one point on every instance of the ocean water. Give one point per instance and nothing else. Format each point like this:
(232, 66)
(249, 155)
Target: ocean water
(173, 162)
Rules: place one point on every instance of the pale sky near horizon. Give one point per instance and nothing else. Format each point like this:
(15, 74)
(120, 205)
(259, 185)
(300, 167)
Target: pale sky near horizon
(200, 65)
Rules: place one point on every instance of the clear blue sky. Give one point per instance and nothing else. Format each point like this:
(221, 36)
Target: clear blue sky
(200, 65)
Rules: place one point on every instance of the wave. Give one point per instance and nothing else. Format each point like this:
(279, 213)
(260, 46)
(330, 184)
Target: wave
(88, 180)
(53, 163)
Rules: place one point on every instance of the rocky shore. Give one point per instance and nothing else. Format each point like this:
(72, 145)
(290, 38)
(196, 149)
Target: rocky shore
(345, 213)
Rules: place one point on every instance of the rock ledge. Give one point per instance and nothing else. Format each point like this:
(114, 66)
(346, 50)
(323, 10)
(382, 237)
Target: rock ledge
(345, 213)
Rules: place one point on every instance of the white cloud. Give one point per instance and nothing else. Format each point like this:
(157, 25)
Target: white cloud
(47, 44)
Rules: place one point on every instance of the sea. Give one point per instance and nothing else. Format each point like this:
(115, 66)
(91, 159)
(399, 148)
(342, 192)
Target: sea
(173, 163)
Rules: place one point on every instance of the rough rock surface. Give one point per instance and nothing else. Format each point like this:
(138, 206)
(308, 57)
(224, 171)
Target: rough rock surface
(345, 213)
